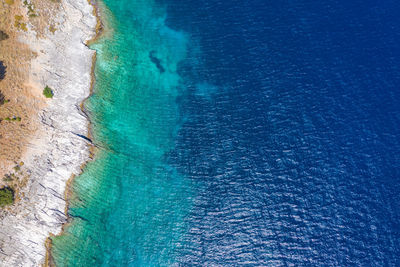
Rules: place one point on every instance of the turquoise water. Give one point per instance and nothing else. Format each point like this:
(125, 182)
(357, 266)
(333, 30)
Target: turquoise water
(129, 203)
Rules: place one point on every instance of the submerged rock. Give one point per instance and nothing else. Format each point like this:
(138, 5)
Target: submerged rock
(156, 61)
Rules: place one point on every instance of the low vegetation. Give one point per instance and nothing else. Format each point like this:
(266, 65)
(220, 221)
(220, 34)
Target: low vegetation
(3, 36)
(52, 29)
(2, 99)
(14, 118)
(48, 92)
(6, 196)
(19, 24)
(13, 181)
(9, 177)
(31, 9)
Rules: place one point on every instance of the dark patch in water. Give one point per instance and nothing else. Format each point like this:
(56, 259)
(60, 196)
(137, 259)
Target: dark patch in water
(3, 36)
(2, 70)
(156, 61)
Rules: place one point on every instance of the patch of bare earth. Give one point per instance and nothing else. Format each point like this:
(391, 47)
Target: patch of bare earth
(20, 99)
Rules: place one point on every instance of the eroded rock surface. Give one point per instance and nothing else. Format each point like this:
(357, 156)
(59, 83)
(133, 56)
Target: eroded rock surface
(55, 152)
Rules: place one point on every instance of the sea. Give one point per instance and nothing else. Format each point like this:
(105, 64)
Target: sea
(241, 133)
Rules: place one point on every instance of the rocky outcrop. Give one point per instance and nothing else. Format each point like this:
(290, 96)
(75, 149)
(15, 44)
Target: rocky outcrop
(57, 151)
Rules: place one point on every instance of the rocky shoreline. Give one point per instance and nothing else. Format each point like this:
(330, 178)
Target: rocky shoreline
(57, 150)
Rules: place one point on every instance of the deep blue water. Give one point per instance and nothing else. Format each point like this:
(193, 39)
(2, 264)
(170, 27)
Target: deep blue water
(254, 133)
(291, 116)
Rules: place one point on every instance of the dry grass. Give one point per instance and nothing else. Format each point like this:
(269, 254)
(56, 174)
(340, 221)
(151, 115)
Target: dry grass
(16, 87)
(9, 2)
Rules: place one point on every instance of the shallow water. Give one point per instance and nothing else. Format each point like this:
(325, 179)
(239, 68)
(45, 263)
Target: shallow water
(242, 133)
(130, 202)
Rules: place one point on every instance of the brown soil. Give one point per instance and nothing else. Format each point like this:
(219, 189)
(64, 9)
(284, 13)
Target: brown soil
(19, 111)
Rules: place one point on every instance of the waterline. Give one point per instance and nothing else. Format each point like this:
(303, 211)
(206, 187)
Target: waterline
(128, 206)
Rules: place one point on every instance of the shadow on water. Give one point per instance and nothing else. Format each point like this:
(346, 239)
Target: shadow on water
(2, 70)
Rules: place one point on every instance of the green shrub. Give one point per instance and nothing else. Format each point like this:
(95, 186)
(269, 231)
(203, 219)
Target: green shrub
(6, 196)
(47, 92)
(16, 118)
